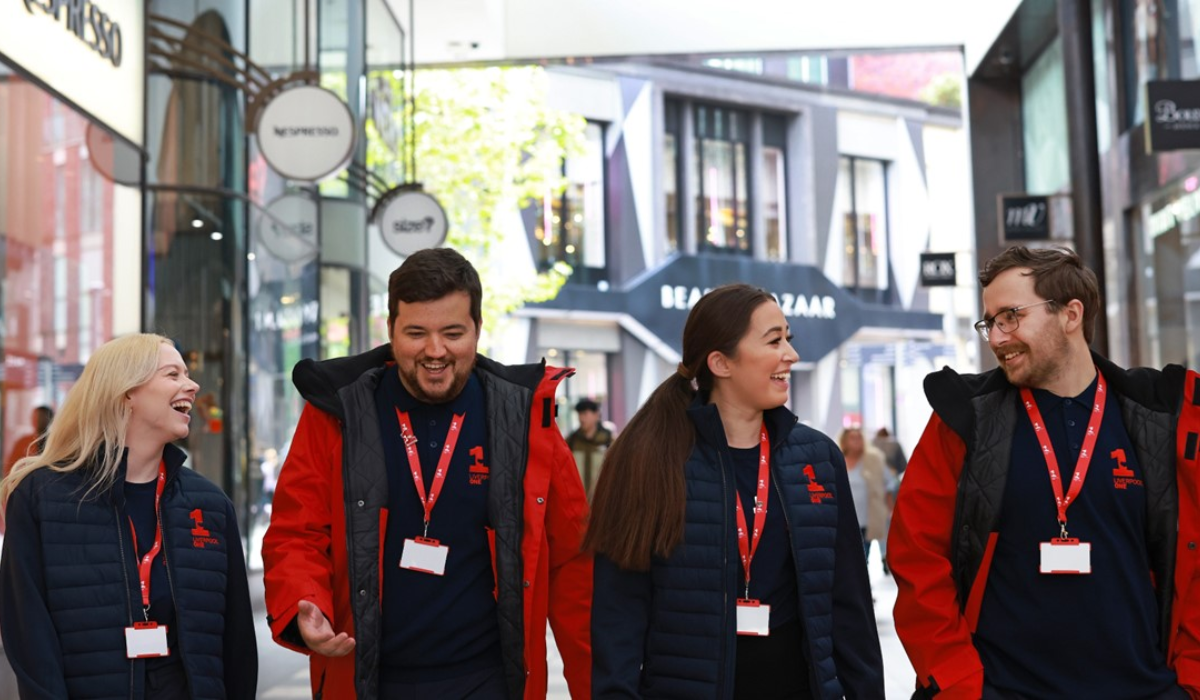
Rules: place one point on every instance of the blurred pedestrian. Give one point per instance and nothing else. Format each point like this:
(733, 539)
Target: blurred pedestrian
(589, 442)
(709, 483)
(891, 449)
(867, 472)
(31, 443)
(122, 573)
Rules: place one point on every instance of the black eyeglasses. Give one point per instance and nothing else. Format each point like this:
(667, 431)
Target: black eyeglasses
(1006, 320)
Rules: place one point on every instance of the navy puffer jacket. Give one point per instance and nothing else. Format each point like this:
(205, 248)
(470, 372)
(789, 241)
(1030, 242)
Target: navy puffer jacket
(69, 587)
(670, 632)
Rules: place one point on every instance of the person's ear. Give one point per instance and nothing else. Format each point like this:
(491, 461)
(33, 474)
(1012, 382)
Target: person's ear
(1073, 316)
(718, 364)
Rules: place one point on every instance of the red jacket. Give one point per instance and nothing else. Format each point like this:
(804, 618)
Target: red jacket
(933, 621)
(305, 549)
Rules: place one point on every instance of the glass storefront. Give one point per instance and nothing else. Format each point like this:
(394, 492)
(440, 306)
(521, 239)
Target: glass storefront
(1167, 286)
(58, 221)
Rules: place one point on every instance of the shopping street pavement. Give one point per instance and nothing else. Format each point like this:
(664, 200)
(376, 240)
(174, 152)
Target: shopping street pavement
(283, 674)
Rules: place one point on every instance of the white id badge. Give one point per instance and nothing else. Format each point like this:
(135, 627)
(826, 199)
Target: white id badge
(753, 618)
(146, 640)
(425, 555)
(1066, 556)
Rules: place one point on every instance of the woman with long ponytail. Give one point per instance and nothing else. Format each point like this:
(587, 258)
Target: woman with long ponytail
(729, 562)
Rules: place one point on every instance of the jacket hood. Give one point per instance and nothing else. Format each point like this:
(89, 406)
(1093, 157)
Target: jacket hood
(320, 382)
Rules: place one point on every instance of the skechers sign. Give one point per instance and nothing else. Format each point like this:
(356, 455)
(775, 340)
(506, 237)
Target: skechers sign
(86, 21)
(85, 52)
(410, 220)
(306, 133)
(1174, 119)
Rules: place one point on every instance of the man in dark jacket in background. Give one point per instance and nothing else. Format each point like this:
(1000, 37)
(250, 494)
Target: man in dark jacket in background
(1045, 538)
(428, 518)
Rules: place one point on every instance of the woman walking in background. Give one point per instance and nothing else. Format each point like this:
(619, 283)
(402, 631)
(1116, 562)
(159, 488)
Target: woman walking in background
(728, 557)
(868, 474)
(122, 573)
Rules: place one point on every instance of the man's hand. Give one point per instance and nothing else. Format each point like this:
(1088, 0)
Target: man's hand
(318, 633)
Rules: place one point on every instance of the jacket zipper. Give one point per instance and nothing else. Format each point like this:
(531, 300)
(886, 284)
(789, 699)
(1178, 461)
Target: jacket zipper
(787, 522)
(125, 575)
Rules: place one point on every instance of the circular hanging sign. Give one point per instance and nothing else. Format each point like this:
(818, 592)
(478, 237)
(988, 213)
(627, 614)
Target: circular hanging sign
(411, 220)
(306, 133)
(287, 227)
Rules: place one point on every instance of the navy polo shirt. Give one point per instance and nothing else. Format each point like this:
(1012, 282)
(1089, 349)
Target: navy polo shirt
(773, 573)
(1073, 636)
(437, 627)
(139, 509)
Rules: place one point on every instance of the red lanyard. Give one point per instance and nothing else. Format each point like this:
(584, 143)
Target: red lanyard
(748, 545)
(414, 462)
(1085, 454)
(148, 559)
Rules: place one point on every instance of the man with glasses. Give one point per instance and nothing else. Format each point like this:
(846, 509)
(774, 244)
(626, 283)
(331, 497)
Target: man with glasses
(1045, 540)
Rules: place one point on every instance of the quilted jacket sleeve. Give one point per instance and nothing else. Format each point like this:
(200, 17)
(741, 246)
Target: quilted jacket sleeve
(30, 640)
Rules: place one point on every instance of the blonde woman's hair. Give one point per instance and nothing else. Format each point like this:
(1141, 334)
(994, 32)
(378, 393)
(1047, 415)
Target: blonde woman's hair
(89, 430)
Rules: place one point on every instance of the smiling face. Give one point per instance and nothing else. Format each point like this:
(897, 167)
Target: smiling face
(434, 343)
(756, 376)
(159, 409)
(1037, 352)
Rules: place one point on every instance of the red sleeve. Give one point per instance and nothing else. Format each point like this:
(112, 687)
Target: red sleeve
(570, 572)
(928, 614)
(1184, 655)
(297, 556)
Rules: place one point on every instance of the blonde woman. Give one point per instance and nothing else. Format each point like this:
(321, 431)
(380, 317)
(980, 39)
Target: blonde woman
(122, 573)
(868, 472)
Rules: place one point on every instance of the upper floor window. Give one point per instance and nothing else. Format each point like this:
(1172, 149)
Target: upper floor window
(722, 191)
(570, 226)
(672, 138)
(1150, 37)
(774, 191)
(862, 201)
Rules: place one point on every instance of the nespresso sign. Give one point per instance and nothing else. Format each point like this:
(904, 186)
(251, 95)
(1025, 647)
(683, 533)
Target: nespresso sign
(89, 53)
(86, 21)
(306, 133)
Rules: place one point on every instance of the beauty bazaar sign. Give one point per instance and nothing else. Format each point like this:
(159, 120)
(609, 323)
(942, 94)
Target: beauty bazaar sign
(89, 52)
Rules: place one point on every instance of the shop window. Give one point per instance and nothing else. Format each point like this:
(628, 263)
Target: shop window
(722, 196)
(774, 191)
(672, 138)
(58, 230)
(570, 227)
(1150, 39)
(1044, 123)
(862, 200)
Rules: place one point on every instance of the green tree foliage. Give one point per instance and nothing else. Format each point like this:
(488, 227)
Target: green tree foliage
(487, 143)
(944, 90)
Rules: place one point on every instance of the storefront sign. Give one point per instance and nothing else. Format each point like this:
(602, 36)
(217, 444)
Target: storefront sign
(1182, 207)
(1174, 119)
(1024, 218)
(410, 220)
(938, 270)
(287, 227)
(306, 133)
(89, 53)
